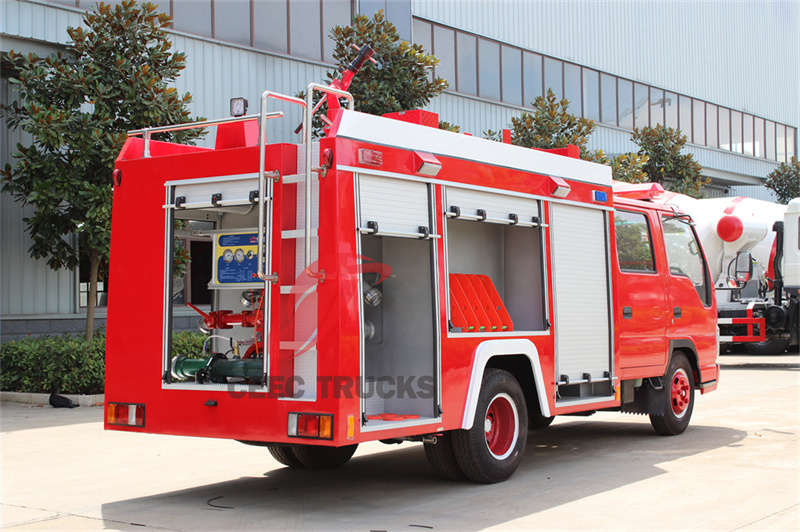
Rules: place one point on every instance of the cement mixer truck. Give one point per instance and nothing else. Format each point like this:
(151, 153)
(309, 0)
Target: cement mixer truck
(753, 253)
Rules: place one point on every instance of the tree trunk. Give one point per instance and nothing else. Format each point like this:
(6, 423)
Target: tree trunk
(94, 266)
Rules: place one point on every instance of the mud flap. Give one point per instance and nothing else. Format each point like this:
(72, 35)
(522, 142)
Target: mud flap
(647, 399)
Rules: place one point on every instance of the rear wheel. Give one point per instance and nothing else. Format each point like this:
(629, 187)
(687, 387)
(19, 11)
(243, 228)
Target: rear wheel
(492, 449)
(442, 457)
(284, 455)
(775, 346)
(678, 396)
(316, 457)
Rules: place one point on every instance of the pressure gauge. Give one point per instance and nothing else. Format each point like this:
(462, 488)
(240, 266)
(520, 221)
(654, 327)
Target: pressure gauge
(227, 255)
(238, 255)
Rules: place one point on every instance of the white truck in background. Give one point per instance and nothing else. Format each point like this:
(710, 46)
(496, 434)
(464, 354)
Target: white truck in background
(753, 251)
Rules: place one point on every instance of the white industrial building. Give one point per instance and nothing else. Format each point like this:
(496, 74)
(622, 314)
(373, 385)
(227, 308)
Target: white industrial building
(727, 75)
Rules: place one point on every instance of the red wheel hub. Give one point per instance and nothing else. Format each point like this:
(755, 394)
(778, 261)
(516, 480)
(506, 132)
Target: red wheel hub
(501, 426)
(680, 393)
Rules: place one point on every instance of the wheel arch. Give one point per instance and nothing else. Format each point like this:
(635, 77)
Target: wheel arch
(520, 358)
(686, 346)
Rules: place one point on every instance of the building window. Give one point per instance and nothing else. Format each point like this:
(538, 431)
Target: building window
(656, 107)
(444, 48)
(671, 110)
(608, 99)
(271, 18)
(685, 116)
(711, 126)
(232, 21)
(554, 76)
(339, 13)
(303, 17)
(496, 71)
(736, 132)
(532, 77)
(780, 134)
(572, 88)
(591, 94)
(725, 129)
(192, 16)
(747, 134)
(489, 69)
(699, 122)
(512, 75)
(423, 35)
(758, 144)
(625, 103)
(467, 63)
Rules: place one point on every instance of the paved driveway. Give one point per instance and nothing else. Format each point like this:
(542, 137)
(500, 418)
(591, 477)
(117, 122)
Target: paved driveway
(736, 468)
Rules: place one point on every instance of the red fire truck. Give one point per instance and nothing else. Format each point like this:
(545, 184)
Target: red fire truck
(396, 282)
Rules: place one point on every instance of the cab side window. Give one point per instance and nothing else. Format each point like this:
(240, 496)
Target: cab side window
(684, 256)
(634, 244)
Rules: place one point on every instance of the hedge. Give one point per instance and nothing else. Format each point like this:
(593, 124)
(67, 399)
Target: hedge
(67, 364)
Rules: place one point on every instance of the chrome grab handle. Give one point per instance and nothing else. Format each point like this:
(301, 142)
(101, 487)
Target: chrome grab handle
(147, 131)
(307, 134)
(262, 161)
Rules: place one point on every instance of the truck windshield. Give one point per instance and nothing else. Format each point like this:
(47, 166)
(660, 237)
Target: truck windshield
(685, 257)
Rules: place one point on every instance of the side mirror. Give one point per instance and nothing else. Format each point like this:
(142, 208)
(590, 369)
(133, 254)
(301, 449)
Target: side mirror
(740, 269)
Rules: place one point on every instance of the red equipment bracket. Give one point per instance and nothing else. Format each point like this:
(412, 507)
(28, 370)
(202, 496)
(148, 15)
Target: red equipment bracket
(476, 306)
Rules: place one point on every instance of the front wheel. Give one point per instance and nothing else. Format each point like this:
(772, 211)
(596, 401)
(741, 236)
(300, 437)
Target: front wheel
(317, 457)
(678, 397)
(492, 449)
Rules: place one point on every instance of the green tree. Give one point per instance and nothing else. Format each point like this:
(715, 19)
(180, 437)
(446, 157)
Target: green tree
(77, 107)
(625, 167)
(676, 171)
(784, 181)
(402, 83)
(551, 125)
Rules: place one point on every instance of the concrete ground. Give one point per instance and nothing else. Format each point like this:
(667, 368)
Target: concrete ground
(736, 468)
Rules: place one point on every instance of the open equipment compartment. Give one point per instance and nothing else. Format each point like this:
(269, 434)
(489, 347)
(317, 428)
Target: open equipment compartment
(499, 237)
(398, 284)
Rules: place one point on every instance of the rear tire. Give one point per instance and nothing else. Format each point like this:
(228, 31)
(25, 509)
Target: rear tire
(316, 457)
(492, 449)
(678, 397)
(775, 346)
(442, 457)
(284, 455)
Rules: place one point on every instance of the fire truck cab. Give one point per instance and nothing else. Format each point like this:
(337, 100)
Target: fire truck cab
(397, 282)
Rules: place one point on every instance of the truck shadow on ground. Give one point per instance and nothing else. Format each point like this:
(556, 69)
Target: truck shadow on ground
(573, 459)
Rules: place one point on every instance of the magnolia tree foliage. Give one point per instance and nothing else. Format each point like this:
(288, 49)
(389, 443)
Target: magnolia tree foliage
(77, 106)
(665, 164)
(550, 125)
(402, 82)
(784, 181)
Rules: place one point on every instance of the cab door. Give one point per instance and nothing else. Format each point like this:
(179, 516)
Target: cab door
(692, 314)
(641, 301)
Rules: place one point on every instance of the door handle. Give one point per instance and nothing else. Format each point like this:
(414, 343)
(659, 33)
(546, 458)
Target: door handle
(627, 313)
(676, 312)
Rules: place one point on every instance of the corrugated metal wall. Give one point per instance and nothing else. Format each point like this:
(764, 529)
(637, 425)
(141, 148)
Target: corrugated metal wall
(27, 286)
(733, 54)
(215, 73)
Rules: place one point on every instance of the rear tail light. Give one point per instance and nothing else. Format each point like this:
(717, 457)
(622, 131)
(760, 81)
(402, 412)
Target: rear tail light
(127, 414)
(317, 426)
